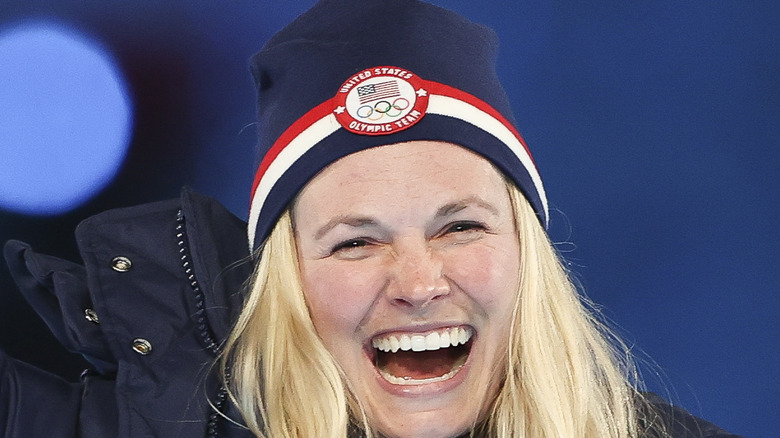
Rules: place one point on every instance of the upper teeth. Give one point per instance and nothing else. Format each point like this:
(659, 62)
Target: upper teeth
(449, 337)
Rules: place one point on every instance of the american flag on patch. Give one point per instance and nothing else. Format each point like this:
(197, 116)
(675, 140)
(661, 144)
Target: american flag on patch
(381, 90)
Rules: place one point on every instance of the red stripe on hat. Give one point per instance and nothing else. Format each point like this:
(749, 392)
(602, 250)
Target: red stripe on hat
(308, 119)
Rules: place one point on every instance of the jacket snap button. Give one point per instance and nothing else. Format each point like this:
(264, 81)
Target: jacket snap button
(121, 264)
(91, 316)
(142, 346)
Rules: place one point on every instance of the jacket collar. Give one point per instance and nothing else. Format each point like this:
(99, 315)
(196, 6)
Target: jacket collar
(217, 243)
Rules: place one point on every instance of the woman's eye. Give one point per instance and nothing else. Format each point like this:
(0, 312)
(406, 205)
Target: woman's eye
(352, 249)
(462, 232)
(349, 244)
(460, 227)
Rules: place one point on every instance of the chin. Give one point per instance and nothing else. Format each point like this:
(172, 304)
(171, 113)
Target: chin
(424, 427)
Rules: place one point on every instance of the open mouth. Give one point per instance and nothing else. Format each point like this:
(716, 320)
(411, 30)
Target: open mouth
(414, 359)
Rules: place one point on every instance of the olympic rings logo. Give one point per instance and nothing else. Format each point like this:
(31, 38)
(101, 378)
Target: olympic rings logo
(383, 108)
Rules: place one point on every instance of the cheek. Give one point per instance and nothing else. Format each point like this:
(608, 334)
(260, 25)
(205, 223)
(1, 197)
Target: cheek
(489, 274)
(339, 295)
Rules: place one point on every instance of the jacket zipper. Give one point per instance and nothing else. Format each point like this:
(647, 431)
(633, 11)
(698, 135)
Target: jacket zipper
(206, 336)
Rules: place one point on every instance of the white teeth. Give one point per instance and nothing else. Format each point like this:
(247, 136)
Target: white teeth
(404, 344)
(394, 344)
(434, 340)
(418, 343)
(444, 339)
(464, 337)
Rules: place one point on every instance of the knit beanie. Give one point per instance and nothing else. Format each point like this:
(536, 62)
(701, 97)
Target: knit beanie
(348, 75)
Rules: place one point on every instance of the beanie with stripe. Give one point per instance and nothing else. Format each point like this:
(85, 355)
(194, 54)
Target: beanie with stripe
(348, 75)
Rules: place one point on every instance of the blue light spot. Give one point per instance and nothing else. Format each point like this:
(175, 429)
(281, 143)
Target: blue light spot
(65, 119)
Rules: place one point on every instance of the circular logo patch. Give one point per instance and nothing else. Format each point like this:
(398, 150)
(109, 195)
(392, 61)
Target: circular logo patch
(380, 101)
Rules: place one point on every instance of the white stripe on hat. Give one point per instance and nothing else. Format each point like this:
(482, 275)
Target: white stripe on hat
(456, 108)
(294, 150)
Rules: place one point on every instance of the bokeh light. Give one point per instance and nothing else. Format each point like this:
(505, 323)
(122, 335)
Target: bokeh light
(65, 118)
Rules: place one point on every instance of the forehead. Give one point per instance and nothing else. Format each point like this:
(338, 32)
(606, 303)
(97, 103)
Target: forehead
(403, 175)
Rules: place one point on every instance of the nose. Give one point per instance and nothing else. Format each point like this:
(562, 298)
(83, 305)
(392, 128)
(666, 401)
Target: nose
(418, 278)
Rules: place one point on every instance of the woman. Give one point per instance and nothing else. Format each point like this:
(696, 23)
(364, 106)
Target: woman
(428, 241)
(408, 287)
(403, 285)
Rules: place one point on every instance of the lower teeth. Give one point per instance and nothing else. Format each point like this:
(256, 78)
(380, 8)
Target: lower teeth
(410, 381)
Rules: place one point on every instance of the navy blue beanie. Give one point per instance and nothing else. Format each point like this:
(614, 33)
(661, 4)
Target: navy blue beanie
(348, 75)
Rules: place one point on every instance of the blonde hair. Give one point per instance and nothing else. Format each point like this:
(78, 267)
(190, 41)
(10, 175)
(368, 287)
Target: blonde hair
(566, 375)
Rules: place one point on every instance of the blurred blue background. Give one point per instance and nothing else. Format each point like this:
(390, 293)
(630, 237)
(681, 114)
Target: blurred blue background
(655, 125)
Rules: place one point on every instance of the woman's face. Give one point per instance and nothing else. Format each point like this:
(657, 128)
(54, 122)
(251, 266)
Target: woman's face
(410, 266)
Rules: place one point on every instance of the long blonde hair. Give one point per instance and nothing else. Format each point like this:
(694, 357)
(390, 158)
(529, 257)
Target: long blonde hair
(566, 375)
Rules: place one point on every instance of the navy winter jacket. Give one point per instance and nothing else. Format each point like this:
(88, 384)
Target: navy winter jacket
(156, 294)
(160, 286)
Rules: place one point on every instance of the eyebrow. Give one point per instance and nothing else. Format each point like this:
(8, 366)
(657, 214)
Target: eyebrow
(352, 221)
(454, 207)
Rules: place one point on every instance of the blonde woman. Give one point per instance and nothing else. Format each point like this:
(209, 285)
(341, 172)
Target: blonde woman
(403, 285)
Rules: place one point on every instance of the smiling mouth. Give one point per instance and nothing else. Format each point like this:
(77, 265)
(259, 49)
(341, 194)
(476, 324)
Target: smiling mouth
(414, 359)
